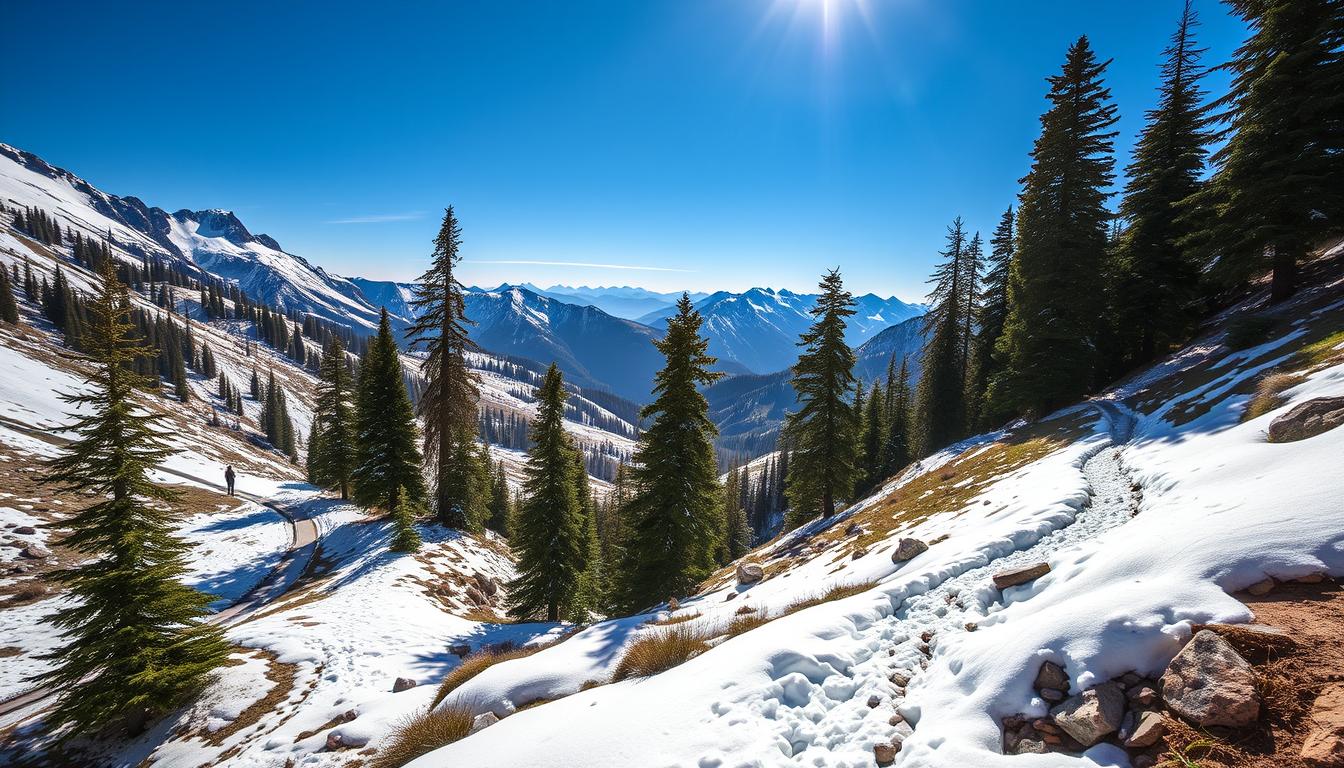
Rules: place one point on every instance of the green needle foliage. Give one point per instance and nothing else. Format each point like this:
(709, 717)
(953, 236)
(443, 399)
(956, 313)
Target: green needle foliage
(386, 458)
(137, 643)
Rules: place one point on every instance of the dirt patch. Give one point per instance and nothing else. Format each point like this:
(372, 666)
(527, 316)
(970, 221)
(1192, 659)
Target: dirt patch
(282, 684)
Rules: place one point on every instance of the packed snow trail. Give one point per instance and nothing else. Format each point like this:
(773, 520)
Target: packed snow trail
(303, 538)
(824, 719)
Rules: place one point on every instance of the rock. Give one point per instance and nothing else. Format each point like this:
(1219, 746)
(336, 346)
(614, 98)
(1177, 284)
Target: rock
(1016, 576)
(459, 649)
(896, 719)
(1091, 715)
(475, 596)
(1143, 761)
(1309, 419)
(1311, 578)
(860, 552)
(853, 529)
(487, 585)
(672, 604)
(1031, 747)
(1142, 695)
(334, 741)
(926, 636)
(885, 752)
(1209, 683)
(25, 530)
(1262, 587)
(873, 701)
(907, 549)
(1053, 695)
(36, 552)
(1147, 730)
(899, 679)
(403, 684)
(1130, 679)
(971, 626)
(749, 573)
(1044, 726)
(1324, 746)
(483, 721)
(1051, 675)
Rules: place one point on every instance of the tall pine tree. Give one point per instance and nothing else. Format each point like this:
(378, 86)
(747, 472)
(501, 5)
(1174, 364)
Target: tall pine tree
(9, 308)
(332, 451)
(1049, 339)
(823, 432)
(993, 313)
(548, 535)
(940, 402)
(137, 642)
(386, 456)
(448, 404)
(672, 522)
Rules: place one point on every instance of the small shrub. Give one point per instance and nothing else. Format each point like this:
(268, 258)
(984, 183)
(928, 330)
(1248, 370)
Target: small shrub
(1249, 331)
(675, 619)
(29, 590)
(1268, 394)
(477, 663)
(746, 622)
(659, 651)
(421, 734)
(741, 609)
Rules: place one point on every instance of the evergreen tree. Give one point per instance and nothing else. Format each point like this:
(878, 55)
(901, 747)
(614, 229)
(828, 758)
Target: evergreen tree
(548, 534)
(1277, 192)
(1158, 276)
(404, 512)
(989, 326)
(449, 402)
(823, 432)
(737, 532)
(1049, 339)
(592, 590)
(873, 432)
(896, 451)
(672, 521)
(9, 308)
(333, 449)
(137, 642)
(498, 520)
(386, 457)
(940, 403)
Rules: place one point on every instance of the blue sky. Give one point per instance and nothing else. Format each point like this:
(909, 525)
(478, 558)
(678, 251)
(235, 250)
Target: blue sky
(726, 143)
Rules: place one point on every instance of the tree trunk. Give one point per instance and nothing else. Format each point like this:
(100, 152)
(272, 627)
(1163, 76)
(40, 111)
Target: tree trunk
(1283, 283)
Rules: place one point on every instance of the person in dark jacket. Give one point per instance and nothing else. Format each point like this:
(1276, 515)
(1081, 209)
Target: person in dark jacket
(228, 478)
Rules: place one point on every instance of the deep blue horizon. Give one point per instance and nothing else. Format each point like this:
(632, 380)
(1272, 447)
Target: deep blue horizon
(710, 145)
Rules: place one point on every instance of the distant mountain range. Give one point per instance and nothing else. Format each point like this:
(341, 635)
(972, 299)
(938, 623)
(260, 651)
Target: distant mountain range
(621, 301)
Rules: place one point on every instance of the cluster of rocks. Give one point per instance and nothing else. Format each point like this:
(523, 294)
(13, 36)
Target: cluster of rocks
(481, 590)
(1208, 684)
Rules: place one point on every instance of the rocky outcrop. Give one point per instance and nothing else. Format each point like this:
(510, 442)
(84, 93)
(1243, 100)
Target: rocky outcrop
(749, 573)
(1308, 419)
(1209, 683)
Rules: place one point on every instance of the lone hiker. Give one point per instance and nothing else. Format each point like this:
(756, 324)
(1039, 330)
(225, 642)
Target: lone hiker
(228, 478)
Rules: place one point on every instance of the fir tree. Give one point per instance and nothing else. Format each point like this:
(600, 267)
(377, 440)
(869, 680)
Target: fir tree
(1277, 190)
(1158, 275)
(873, 432)
(498, 520)
(137, 642)
(548, 534)
(940, 404)
(672, 521)
(1049, 339)
(737, 531)
(823, 432)
(896, 451)
(404, 512)
(449, 402)
(332, 452)
(9, 308)
(386, 457)
(989, 326)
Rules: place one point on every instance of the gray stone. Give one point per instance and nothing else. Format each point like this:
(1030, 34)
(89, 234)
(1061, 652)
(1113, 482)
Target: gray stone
(1209, 683)
(1051, 675)
(483, 721)
(25, 530)
(1015, 576)
(1309, 419)
(1092, 715)
(36, 552)
(1031, 747)
(908, 549)
(403, 684)
(749, 573)
(1053, 695)
(1147, 730)
(873, 701)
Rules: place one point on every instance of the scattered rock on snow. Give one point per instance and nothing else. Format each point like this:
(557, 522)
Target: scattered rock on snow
(885, 752)
(853, 529)
(1091, 715)
(483, 721)
(403, 684)
(1051, 675)
(1052, 695)
(1148, 728)
(36, 552)
(749, 573)
(25, 530)
(1209, 683)
(1309, 419)
(334, 741)
(1015, 576)
(907, 549)
(1324, 746)
(873, 701)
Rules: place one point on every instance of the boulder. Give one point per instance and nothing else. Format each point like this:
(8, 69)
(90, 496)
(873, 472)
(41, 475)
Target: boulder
(1308, 419)
(403, 684)
(1142, 695)
(1209, 683)
(334, 741)
(1324, 746)
(460, 649)
(1148, 728)
(874, 700)
(853, 529)
(908, 549)
(1092, 715)
(25, 530)
(487, 585)
(749, 573)
(1051, 675)
(36, 552)
(885, 752)
(1015, 576)
(483, 721)
(475, 596)
(1311, 578)
(1053, 695)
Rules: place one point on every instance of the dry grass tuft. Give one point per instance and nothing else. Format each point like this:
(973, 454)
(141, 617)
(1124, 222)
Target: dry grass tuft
(28, 591)
(659, 651)
(675, 619)
(421, 734)
(747, 622)
(477, 663)
(741, 609)
(1268, 394)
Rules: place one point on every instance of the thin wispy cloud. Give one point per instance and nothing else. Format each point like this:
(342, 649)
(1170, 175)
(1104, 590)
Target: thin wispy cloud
(380, 218)
(576, 264)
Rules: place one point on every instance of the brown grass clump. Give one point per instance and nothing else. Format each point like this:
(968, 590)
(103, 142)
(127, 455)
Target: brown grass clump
(421, 734)
(659, 651)
(747, 622)
(1268, 394)
(838, 592)
(675, 619)
(741, 609)
(477, 663)
(28, 591)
